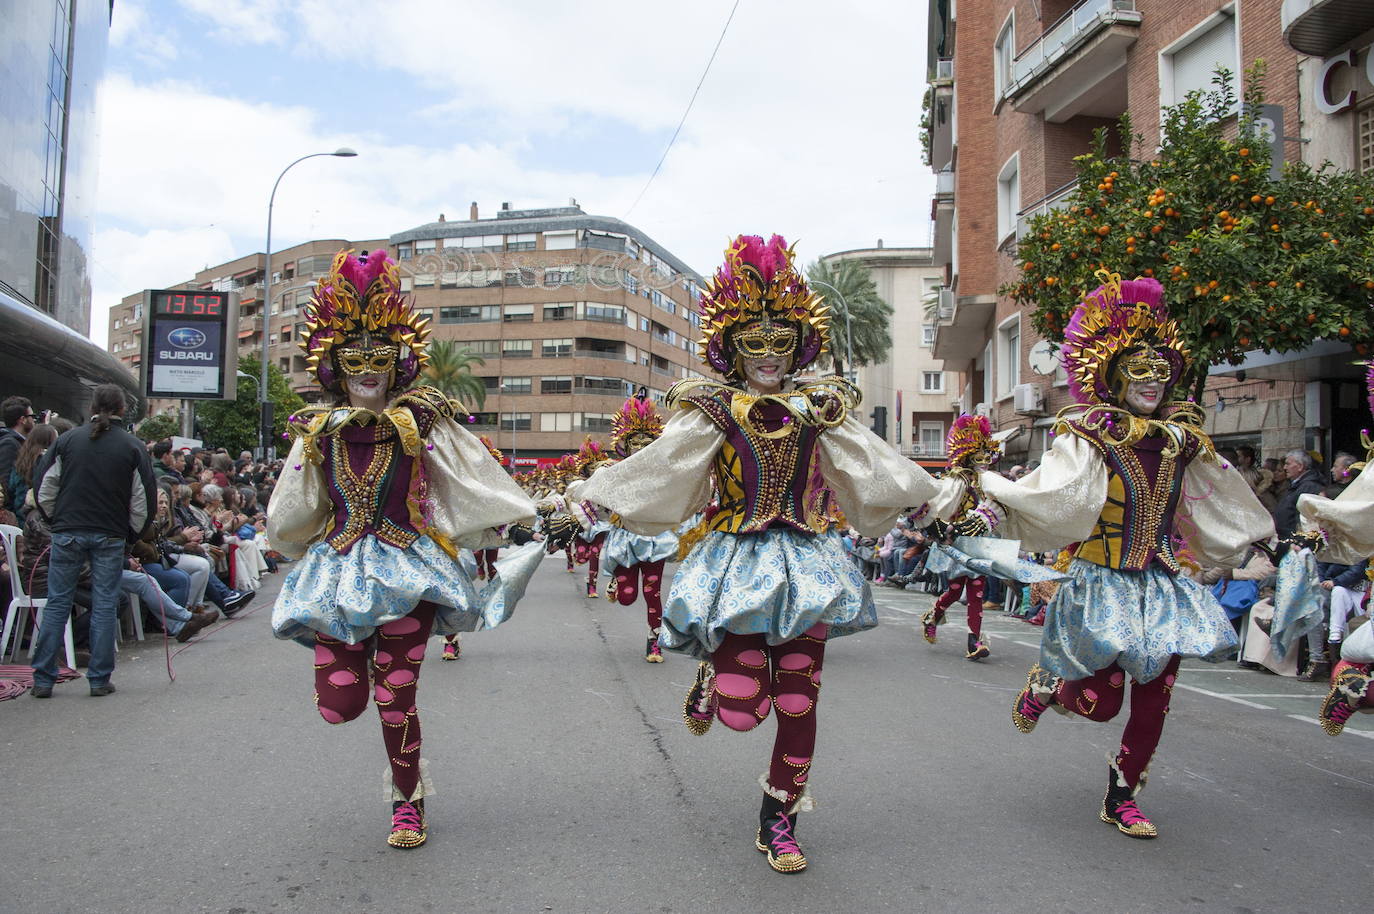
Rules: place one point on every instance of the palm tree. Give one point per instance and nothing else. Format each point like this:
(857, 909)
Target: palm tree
(450, 370)
(869, 316)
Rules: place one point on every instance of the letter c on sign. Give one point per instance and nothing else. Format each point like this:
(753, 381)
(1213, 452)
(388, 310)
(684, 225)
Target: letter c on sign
(1324, 103)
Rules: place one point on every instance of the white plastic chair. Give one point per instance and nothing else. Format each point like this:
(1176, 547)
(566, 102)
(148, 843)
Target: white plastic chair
(22, 604)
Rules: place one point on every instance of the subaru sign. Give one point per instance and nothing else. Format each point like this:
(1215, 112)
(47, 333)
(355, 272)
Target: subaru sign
(190, 344)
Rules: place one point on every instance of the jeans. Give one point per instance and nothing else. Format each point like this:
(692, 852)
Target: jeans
(198, 567)
(173, 581)
(216, 590)
(155, 599)
(70, 551)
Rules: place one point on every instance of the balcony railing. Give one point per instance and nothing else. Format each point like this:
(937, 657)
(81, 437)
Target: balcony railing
(598, 392)
(1069, 32)
(599, 354)
(1055, 199)
(663, 371)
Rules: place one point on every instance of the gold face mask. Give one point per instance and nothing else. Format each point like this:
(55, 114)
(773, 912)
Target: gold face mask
(766, 339)
(355, 361)
(1146, 365)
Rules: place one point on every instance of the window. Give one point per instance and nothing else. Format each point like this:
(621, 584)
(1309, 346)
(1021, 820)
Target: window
(560, 276)
(479, 242)
(469, 314)
(492, 384)
(555, 422)
(426, 246)
(927, 334)
(482, 348)
(519, 313)
(556, 385)
(931, 439)
(138, 311)
(1008, 355)
(517, 349)
(644, 324)
(1191, 62)
(557, 349)
(596, 422)
(560, 241)
(610, 314)
(487, 419)
(404, 252)
(515, 422)
(559, 311)
(286, 334)
(522, 277)
(522, 242)
(515, 385)
(598, 385)
(932, 382)
(1003, 53)
(1008, 196)
(406, 283)
(1364, 139)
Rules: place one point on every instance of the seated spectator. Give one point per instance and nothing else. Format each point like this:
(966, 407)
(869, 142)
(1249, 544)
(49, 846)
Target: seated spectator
(169, 545)
(20, 480)
(174, 618)
(166, 462)
(248, 563)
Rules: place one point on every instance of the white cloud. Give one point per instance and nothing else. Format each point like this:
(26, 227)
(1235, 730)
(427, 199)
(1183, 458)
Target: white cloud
(247, 21)
(133, 32)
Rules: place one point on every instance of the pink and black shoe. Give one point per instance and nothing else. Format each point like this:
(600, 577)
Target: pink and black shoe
(652, 652)
(977, 650)
(1119, 808)
(929, 621)
(699, 708)
(408, 827)
(591, 590)
(777, 836)
(1346, 696)
(452, 649)
(1035, 698)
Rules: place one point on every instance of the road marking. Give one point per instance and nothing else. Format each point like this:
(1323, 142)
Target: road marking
(1210, 694)
(1312, 720)
(1338, 774)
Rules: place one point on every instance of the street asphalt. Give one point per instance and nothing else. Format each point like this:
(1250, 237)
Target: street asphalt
(567, 783)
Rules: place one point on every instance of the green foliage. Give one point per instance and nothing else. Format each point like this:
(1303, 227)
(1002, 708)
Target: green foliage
(869, 316)
(233, 424)
(1247, 262)
(450, 370)
(155, 428)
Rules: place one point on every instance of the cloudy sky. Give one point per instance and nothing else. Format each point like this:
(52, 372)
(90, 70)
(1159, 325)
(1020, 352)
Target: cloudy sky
(806, 124)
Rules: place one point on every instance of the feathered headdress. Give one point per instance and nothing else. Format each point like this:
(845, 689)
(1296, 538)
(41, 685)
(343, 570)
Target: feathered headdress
(589, 455)
(492, 448)
(361, 297)
(758, 282)
(967, 436)
(636, 417)
(1118, 319)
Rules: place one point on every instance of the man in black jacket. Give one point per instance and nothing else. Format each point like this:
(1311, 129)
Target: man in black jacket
(1303, 479)
(17, 415)
(95, 486)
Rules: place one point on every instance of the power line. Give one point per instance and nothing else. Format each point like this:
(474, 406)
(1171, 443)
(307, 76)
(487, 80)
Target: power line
(690, 102)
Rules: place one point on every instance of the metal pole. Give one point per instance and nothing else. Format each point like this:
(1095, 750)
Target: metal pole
(848, 337)
(264, 408)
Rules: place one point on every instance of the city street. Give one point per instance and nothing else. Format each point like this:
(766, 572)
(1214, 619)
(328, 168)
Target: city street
(568, 783)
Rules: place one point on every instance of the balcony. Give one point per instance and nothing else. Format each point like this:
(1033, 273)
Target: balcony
(942, 212)
(1078, 66)
(1056, 199)
(599, 354)
(962, 336)
(1321, 27)
(944, 71)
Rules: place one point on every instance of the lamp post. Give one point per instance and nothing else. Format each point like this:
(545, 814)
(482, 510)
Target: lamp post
(264, 405)
(848, 337)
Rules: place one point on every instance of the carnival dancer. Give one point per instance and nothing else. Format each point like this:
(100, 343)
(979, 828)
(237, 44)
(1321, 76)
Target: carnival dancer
(759, 596)
(1341, 530)
(379, 494)
(1129, 470)
(592, 533)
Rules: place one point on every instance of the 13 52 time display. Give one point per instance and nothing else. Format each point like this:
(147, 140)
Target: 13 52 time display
(189, 304)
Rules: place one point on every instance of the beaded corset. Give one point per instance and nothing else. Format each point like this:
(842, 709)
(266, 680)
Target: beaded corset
(1144, 483)
(768, 472)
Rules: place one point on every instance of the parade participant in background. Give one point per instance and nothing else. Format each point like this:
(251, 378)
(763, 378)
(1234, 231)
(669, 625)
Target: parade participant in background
(1342, 530)
(628, 557)
(592, 529)
(379, 493)
(759, 596)
(1130, 468)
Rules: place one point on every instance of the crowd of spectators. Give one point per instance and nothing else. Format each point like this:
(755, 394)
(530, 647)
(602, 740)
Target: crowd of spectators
(199, 553)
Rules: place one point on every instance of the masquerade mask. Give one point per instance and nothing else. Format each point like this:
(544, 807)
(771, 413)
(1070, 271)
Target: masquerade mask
(355, 360)
(1146, 365)
(766, 339)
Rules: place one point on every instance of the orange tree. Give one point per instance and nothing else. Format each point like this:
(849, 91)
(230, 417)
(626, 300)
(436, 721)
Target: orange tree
(1247, 262)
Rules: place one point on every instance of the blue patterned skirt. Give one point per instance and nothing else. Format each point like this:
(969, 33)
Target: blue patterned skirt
(350, 596)
(621, 548)
(1137, 619)
(778, 583)
(998, 563)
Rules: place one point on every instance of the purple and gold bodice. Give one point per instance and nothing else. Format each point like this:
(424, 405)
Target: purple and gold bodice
(1144, 484)
(768, 472)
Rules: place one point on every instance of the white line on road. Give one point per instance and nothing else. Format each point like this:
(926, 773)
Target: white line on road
(1337, 773)
(1210, 694)
(1312, 720)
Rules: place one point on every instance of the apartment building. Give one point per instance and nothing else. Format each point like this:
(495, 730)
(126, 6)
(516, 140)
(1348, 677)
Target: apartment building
(571, 313)
(1024, 83)
(907, 397)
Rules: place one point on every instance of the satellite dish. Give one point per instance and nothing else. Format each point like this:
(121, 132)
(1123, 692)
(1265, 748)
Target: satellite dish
(1044, 357)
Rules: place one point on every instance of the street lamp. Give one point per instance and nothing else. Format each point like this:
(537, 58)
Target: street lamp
(848, 337)
(264, 406)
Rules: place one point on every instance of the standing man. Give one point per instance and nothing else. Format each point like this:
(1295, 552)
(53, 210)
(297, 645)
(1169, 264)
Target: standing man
(95, 486)
(17, 414)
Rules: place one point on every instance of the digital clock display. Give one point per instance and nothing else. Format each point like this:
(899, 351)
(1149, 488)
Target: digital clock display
(189, 304)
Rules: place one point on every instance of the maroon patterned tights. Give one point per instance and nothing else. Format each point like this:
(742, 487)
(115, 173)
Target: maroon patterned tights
(975, 601)
(1099, 698)
(627, 587)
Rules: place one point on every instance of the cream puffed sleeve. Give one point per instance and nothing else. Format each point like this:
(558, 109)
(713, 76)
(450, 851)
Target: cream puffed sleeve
(1057, 504)
(470, 494)
(298, 511)
(656, 489)
(1219, 515)
(1348, 520)
(871, 482)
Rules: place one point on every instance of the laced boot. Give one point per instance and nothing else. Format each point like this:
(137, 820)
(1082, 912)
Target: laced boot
(1318, 668)
(1119, 809)
(652, 652)
(1345, 698)
(777, 836)
(408, 826)
(977, 650)
(1035, 698)
(929, 621)
(453, 649)
(699, 708)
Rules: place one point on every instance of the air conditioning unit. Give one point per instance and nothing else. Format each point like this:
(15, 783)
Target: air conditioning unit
(1028, 400)
(982, 409)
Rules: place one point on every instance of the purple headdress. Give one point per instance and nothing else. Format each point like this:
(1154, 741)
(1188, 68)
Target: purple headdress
(967, 436)
(636, 417)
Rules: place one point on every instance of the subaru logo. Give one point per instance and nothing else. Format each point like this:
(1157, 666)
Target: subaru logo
(186, 338)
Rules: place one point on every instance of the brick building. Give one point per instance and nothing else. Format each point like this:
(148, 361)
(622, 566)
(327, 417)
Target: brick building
(1025, 83)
